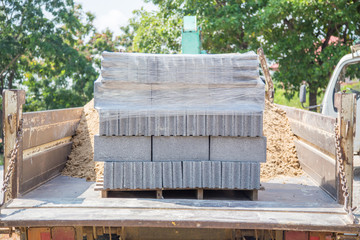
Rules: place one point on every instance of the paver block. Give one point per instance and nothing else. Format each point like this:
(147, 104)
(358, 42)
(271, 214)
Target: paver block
(180, 148)
(248, 149)
(120, 148)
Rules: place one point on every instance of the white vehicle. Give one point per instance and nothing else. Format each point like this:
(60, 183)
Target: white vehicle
(346, 76)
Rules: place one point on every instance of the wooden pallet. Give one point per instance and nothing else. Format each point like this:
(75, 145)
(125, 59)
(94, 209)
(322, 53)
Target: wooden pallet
(178, 193)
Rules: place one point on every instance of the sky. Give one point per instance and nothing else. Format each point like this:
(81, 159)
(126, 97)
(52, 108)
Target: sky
(113, 13)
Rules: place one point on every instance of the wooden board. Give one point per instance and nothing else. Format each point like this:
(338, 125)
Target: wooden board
(48, 133)
(41, 118)
(181, 218)
(315, 145)
(318, 165)
(316, 120)
(323, 140)
(43, 166)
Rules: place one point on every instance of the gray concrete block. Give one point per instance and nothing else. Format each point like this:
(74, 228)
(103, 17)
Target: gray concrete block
(180, 148)
(181, 124)
(129, 176)
(123, 125)
(177, 173)
(196, 124)
(207, 175)
(138, 175)
(227, 175)
(118, 175)
(152, 175)
(167, 175)
(211, 174)
(216, 172)
(192, 174)
(247, 149)
(117, 149)
(109, 175)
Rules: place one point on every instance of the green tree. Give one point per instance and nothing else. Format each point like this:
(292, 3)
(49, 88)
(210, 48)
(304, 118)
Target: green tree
(51, 48)
(307, 38)
(152, 32)
(299, 34)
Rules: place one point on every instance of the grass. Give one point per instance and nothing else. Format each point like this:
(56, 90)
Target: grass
(279, 98)
(1, 159)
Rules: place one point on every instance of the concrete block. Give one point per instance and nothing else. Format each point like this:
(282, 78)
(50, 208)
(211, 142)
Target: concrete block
(207, 175)
(181, 124)
(177, 173)
(138, 175)
(123, 126)
(247, 149)
(167, 175)
(192, 174)
(118, 175)
(196, 124)
(180, 148)
(152, 175)
(117, 149)
(211, 174)
(216, 172)
(109, 175)
(129, 176)
(227, 175)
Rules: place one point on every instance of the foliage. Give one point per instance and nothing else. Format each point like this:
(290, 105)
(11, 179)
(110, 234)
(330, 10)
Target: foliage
(294, 101)
(152, 32)
(46, 50)
(306, 37)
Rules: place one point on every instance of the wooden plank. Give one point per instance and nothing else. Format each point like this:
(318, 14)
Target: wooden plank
(316, 120)
(318, 165)
(39, 167)
(39, 233)
(123, 203)
(320, 138)
(170, 218)
(346, 105)
(12, 107)
(36, 119)
(48, 133)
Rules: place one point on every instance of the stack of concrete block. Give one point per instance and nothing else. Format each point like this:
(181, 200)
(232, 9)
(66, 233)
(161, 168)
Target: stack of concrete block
(180, 121)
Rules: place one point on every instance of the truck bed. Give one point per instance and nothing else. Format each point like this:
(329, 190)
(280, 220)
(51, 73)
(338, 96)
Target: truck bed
(285, 204)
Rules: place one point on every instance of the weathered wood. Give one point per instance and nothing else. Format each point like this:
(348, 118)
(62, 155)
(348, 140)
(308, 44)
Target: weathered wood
(43, 166)
(12, 114)
(48, 133)
(316, 120)
(268, 78)
(319, 166)
(323, 140)
(346, 105)
(170, 218)
(273, 206)
(41, 118)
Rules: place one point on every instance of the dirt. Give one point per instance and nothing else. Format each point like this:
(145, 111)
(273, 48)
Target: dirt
(80, 163)
(281, 158)
(281, 152)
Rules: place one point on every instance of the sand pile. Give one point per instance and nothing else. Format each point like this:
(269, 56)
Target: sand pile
(281, 153)
(80, 163)
(281, 156)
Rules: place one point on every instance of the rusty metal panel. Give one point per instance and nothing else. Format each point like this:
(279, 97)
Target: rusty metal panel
(319, 166)
(42, 166)
(292, 235)
(39, 234)
(63, 233)
(41, 118)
